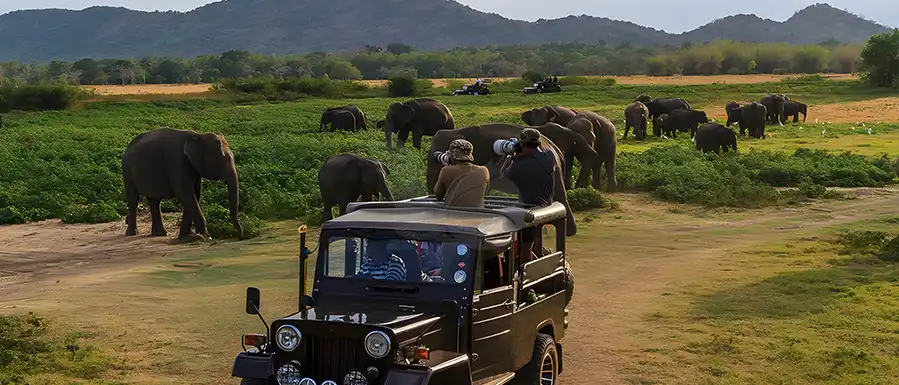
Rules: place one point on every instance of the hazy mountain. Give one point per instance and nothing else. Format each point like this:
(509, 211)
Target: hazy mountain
(299, 26)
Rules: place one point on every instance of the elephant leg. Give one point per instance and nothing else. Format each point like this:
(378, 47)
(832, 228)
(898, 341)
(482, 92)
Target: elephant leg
(627, 127)
(157, 229)
(611, 181)
(569, 166)
(197, 196)
(132, 198)
(326, 211)
(796, 118)
(416, 139)
(597, 172)
(192, 213)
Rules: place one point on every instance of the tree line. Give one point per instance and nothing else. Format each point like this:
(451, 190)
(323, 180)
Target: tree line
(720, 57)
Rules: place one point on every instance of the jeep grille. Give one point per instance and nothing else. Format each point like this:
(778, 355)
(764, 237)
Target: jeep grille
(331, 358)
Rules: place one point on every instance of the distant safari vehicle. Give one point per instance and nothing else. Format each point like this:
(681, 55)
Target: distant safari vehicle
(478, 88)
(546, 85)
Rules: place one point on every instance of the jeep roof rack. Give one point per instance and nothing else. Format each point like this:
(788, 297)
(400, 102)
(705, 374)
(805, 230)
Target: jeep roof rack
(499, 215)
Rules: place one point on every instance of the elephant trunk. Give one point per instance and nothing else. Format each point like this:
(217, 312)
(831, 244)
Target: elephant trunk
(234, 200)
(384, 190)
(388, 129)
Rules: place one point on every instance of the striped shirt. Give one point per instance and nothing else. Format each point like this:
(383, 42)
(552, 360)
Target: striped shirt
(393, 269)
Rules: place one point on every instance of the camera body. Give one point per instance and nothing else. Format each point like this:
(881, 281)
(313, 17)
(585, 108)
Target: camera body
(443, 158)
(506, 146)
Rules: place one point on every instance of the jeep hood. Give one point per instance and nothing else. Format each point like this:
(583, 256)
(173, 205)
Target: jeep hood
(392, 317)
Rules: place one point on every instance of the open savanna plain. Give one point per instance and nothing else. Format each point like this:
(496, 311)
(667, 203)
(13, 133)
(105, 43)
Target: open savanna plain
(704, 270)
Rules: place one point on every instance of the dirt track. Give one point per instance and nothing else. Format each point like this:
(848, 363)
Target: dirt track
(625, 264)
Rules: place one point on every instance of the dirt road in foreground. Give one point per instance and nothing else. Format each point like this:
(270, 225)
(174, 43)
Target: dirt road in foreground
(625, 264)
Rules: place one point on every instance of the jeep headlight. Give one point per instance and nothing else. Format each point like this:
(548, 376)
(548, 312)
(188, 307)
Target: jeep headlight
(377, 344)
(288, 337)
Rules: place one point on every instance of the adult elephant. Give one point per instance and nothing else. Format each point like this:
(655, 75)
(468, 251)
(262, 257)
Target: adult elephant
(548, 114)
(573, 145)
(601, 131)
(329, 115)
(658, 124)
(482, 137)
(685, 121)
(635, 115)
(346, 178)
(714, 136)
(774, 105)
(665, 106)
(341, 120)
(753, 117)
(423, 116)
(794, 108)
(168, 163)
(732, 109)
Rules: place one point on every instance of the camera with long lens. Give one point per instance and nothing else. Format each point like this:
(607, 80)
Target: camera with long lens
(506, 146)
(442, 157)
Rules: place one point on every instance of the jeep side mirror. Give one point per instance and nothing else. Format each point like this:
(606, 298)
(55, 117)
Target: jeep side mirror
(253, 299)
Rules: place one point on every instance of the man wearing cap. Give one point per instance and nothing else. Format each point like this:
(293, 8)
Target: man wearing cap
(463, 183)
(534, 173)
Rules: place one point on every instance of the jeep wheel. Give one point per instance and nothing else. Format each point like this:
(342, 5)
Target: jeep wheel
(256, 381)
(544, 366)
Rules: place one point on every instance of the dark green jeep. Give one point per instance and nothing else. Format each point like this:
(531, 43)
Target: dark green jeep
(415, 292)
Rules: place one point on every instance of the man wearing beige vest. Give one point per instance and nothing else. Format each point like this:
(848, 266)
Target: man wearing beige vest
(463, 183)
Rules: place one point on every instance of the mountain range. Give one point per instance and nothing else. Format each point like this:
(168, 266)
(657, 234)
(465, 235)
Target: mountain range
(302, 26)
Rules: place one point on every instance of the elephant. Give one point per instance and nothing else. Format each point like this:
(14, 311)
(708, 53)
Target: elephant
(658, 124)
(665, 106)
(733, 112)
(714, 136)
(592, 125)
(794, 108)
(169, 163)
(643, 98)
(635, 115)
(341, 120)
(344, 178)
(423, 116)
(359, 117)
(684, 120)
(548, 114)
(573, 145)
(482, 137)
(753, 116)
(774, 105)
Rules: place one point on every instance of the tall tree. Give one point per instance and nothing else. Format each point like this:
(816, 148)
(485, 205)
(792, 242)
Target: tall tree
(880, 59)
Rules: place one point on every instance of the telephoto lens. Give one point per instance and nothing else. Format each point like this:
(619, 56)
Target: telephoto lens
(442, 157)
(505, 146)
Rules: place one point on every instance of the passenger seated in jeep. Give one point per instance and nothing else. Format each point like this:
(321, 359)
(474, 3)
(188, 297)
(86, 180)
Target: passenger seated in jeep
(378, 263)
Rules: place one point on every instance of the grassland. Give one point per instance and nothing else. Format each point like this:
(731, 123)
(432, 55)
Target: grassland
(668, 293)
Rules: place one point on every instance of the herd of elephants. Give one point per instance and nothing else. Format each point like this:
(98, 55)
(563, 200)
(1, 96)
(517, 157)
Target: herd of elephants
(168, 163)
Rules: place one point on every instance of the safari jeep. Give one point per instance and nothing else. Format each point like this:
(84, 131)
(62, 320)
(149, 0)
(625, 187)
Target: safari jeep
(455, 305)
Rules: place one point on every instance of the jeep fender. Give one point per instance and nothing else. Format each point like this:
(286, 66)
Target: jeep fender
(247, 365)
(453, 371)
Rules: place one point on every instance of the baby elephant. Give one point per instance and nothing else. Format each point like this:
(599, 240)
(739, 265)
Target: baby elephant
(635, 116)
(658, 125)
(713, 136)
(346, 177)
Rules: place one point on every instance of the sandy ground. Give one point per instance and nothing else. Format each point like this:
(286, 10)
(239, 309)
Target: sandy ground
(174, 89)
(621, 279)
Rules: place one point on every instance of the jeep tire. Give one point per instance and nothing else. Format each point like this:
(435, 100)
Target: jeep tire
(569, 283)
(544, 363)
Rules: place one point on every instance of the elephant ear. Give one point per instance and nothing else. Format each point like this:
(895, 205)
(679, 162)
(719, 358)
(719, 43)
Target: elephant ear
(526, 117)
(551, 115)
(205, 153)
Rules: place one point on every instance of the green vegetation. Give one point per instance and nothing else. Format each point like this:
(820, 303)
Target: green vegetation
(37, 97)
(66, 164)
(720, 57)
(29, 352)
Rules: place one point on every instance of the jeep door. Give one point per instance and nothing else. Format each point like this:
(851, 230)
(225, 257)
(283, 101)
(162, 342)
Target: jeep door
(492, 309)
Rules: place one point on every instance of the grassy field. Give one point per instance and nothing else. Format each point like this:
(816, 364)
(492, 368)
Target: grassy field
(667, 293)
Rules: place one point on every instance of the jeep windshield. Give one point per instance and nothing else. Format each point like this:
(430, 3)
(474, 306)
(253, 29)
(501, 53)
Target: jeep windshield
(400, 256)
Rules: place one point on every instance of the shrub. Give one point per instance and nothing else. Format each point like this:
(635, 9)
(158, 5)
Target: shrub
(402, 86)
(532, 76)
(38, 97)
(862, 242)
(11, 216)
(290, 88)
(218, 223)
(586, 198)
(91, 213)
(810, 189)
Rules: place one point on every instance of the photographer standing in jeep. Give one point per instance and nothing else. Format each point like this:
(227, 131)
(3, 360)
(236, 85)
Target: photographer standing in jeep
(462, 183)
(533, 171)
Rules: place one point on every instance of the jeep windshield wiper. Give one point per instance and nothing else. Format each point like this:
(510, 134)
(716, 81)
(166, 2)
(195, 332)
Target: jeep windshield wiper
(396, 288)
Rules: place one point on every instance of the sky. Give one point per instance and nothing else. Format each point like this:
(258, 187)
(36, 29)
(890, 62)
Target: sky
(671, 16)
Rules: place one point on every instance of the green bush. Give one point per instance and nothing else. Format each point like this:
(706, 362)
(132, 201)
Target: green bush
(402, 86)
(11, 216)
(90, 213)
(218, 223)
(863, 242)
(27, 348)
(533, 76)
(290, 88)
(586, 198)
(38, 97)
